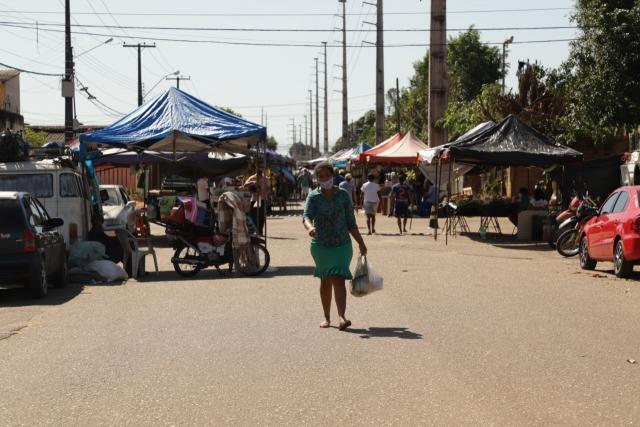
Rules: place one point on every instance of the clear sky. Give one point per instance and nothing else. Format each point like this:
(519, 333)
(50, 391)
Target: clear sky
(248, 77)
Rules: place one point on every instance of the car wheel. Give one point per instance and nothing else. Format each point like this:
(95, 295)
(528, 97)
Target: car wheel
(586, 262)
(621, 267)
(37, 285)
(61, 278)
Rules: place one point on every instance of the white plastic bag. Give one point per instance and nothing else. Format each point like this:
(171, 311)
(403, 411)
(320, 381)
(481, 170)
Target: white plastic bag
(365, 279)
(108, 270)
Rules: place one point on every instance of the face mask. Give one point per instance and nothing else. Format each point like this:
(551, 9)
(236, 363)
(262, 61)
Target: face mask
(326, 184)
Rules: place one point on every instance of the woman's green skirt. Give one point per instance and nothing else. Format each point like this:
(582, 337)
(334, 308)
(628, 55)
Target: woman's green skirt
(332, 260)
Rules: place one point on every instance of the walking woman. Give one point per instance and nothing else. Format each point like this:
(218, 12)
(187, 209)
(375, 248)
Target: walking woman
(329, 219)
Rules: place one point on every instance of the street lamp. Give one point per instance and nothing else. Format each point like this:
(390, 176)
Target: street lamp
(95, 47)
(508, 41)
(175, 73)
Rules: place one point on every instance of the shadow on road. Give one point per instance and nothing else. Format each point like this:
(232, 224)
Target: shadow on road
(289, 270)
(373, 332)
(18, 297)
(507, 241)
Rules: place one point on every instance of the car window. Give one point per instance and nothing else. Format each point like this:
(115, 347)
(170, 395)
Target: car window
(11, 214)
(114, 197)
(69, 185)
(39, 185)
(43, 211)
(35, 218)
(608, 205)
(124, 195)
(621, 203)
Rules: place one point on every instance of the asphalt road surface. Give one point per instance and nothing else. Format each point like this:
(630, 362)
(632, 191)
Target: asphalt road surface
(471, 333)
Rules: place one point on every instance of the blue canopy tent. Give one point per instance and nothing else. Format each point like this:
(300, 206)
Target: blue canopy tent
(175, 121)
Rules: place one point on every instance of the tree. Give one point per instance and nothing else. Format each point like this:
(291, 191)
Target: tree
(272, 144)
(230, 111)
(299, 151)
(363, 130)
(602, 69)
(35, 138)
(471, 65)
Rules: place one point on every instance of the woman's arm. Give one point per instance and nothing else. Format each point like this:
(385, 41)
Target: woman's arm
(353, 227)
(307, 217)
(358, 238)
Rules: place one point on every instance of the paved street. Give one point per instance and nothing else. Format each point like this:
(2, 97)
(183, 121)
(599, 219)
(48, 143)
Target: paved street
(469, 333)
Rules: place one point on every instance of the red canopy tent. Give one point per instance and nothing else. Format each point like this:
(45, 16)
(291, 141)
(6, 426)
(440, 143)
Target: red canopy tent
(402, 151)
(380, 147)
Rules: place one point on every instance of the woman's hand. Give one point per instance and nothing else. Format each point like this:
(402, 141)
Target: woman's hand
(312, 232)
(363, 249)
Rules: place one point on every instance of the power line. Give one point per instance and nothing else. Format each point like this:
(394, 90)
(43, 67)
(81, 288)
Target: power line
(38, 73)
(300, 14)
(290, 30)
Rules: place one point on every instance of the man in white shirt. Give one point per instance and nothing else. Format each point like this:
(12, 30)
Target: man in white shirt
(370, 199)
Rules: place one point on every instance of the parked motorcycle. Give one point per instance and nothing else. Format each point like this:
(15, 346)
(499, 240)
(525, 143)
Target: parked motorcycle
(566, 220)
(568, 243)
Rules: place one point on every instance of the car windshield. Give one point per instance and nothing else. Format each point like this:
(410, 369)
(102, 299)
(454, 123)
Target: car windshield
(114, 197)
(39, 185)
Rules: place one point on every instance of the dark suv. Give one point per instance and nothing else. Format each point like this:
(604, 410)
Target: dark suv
(32, 252)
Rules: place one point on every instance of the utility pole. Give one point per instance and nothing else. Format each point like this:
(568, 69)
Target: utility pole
(345, 106)
(326, 103)
(379, 71)
(178, 78)
(317, 111)
(139, 46)
(438, 85)
(397, 105)
(508, 41)
(311, 115)
(306, 140)
(68, 81)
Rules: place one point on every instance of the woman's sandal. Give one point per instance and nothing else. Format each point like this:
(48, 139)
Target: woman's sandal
(325, 324)
(344, 325)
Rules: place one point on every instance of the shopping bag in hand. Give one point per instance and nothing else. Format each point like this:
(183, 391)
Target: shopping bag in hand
(365, 279)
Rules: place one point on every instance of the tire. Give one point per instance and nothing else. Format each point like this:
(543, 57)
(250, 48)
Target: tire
(61, 279)
(263, 260)
(567, 244)
(621, 267)
(586, 262)
(37, 285)
(186, 270)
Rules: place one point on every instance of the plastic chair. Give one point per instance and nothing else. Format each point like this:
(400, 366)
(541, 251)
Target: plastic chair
(138, 254)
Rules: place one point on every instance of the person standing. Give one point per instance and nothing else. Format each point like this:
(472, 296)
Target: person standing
(348, 186)
(402, 201)
(338, 176)
(329, 219)
(305, 183)
(260, 187)
(370, 198)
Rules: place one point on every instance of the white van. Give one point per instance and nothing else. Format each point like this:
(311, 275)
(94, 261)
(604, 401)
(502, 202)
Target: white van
(60, 188)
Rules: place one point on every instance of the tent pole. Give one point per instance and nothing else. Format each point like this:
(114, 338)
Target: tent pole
(448, 200)
(264, 207)
(438, 179)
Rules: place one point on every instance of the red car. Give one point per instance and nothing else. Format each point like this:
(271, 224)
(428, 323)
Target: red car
(614, 234)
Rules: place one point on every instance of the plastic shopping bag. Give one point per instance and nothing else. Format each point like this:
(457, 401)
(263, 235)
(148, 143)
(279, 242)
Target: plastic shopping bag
(365, 279)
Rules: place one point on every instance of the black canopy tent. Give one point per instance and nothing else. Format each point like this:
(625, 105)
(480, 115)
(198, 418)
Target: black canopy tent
(511, 142)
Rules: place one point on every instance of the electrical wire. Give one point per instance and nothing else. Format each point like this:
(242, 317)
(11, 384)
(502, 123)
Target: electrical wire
(37, 73)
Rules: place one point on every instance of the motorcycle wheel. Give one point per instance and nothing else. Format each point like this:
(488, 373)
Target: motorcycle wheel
(261, 261)
(183, 269)
(567, 244)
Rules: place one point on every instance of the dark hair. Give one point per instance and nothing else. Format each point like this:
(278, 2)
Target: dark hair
(524, 191)
(371, 177)
(538, 194)
(323, 166)
(401, 178)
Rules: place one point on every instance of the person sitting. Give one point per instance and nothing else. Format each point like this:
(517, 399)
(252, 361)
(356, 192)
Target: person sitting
(523, 201)
(112, 245)
(539, 200)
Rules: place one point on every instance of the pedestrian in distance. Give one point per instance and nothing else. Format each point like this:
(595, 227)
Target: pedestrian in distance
(402, 202)
(348, 186)
(305, 183)
(370, 199)
(329, 219)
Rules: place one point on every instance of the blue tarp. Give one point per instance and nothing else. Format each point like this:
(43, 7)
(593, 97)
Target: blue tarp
(177, 121)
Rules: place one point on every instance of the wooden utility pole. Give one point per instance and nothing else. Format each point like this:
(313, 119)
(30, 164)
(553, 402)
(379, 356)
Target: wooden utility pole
(311, 115)
(398, 105)
(306, 139)
(139, 46)
(317, 110)
(345, 106)
(177, 79)
(438, 85)
(326, 102)
(380, 75)
(68, 81)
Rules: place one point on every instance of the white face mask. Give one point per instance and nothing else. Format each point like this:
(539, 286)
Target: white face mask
(326, 184)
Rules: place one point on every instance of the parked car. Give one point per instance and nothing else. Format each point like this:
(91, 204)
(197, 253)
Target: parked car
(32, 251)
(614, 233)
(60, 187)
(118, 210)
